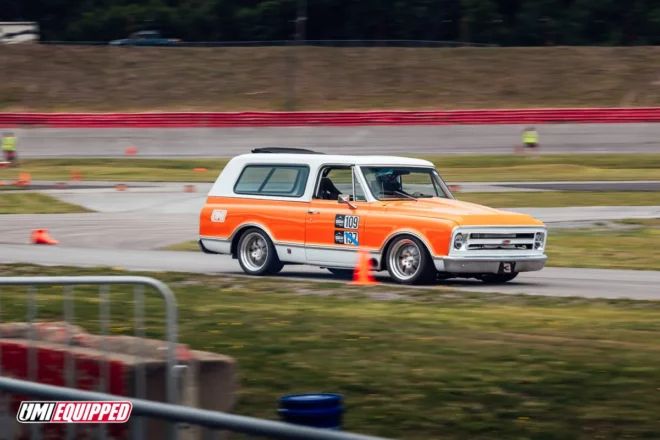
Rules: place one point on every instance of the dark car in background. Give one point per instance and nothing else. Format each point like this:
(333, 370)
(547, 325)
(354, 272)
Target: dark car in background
(146, 38)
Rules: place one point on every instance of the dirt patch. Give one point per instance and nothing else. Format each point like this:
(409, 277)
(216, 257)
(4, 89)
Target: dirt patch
(52, 78)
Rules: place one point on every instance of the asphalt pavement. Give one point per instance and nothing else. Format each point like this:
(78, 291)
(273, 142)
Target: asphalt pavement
(413, 140)
(588, 283)
(129, 226)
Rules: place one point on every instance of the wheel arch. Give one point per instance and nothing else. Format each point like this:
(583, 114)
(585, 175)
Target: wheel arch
(238, 233)
(401, 233)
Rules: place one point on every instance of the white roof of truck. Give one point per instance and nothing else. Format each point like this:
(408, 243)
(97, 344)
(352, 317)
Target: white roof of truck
(225, 182)
(316, 160)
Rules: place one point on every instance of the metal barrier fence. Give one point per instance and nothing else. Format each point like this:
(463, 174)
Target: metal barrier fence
(215, 420)
(104, 283)
(214, 423)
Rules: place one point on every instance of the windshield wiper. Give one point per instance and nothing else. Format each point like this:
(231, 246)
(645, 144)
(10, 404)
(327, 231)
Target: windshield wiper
(406, 195)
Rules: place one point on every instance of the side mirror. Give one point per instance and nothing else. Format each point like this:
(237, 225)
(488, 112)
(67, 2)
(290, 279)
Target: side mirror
(347, 200)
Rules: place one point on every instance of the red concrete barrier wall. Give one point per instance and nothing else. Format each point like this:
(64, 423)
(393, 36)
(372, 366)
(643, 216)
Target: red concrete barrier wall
(51, 370)
(349, 118)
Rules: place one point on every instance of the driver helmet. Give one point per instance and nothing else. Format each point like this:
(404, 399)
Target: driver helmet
(387, 180)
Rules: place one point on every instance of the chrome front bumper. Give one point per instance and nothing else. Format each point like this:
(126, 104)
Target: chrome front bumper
(479, 265)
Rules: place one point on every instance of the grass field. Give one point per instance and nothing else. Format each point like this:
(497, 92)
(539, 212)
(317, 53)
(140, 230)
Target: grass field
(630, 244)
(486, 168)
(430, 364)
(34, 203)
(626, 244)
(68, 78)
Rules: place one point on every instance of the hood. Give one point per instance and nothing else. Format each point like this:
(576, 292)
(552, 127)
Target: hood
(463, 213)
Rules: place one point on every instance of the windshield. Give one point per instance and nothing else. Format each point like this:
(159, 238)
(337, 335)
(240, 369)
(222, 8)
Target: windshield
(388, 183)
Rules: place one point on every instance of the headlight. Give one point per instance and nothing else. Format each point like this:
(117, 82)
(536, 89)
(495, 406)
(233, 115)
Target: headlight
(539, 240)
(458, 241)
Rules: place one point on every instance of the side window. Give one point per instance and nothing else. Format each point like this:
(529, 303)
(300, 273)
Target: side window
(333, 182)
(336, 181)
(272, 180)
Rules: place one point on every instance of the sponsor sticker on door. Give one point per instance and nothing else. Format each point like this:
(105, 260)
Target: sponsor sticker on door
(347, 221)
(346, 237)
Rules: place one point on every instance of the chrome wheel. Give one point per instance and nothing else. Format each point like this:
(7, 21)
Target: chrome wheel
(405, 259)
(254, 251)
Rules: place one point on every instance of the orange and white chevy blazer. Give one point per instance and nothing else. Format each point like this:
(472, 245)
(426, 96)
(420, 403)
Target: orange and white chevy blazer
(291, 206)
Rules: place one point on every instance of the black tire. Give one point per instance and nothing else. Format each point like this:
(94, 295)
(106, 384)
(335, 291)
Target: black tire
(425, 272)
(495, 278)
(341, 273)
(257, 240)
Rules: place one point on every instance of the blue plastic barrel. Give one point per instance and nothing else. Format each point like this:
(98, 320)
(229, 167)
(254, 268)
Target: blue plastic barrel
(322, 410)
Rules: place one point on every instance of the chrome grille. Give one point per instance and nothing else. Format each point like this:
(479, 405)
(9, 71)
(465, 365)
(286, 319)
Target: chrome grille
(502, 236)
(513, 241)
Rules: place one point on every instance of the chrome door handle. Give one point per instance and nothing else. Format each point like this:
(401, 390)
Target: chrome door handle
(313, 211)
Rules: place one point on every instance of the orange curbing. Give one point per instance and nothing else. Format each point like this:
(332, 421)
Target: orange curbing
(362, 275)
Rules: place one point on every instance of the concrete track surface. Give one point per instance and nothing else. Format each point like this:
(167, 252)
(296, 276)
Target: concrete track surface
(414, 140)
(130, 226)
(588, 283)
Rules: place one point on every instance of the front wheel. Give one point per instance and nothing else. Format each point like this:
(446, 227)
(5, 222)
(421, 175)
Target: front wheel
(492, 278)
(408, 262)
(256, 253)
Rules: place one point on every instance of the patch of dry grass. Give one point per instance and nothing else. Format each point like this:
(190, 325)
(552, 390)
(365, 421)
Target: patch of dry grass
(67, 78)
(35, 203)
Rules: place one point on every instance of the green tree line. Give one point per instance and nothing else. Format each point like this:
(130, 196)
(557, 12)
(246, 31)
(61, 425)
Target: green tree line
(503, 22)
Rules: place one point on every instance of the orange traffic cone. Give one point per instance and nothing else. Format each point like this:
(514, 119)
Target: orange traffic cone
(76, 176)
(120, 187)
(362, 275)
(190, 188)
(131, 151)
(41, 236)
(24, 179)
(199, 170)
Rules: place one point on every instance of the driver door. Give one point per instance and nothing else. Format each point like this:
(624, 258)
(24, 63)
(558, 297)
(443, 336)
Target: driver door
(333, 229)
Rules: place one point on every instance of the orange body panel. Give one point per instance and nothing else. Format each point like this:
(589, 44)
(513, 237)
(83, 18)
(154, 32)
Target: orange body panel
(285, 221)
(312, 223)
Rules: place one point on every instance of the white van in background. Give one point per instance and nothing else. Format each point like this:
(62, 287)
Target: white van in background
(13, 32)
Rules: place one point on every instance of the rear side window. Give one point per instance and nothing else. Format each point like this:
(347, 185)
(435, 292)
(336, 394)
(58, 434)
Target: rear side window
(272, 180)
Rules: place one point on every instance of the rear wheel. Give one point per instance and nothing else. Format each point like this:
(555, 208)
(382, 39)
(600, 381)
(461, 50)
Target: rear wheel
(256, 253)
(495, 278)
(408, 262)
(341, 273)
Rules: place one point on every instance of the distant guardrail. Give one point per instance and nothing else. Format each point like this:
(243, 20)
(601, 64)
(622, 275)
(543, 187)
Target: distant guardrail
(276, 43)
(348, 118)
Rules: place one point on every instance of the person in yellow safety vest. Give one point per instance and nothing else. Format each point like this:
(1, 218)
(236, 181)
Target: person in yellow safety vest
(530, 138)
(9, 143)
